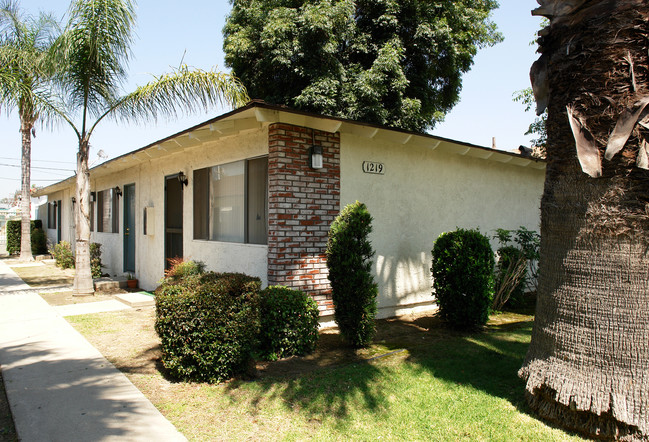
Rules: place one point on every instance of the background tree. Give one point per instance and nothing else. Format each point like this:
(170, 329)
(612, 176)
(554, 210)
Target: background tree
(588, 363)
(24, 44)
(536, 127)
(392, 62)
(92, 56)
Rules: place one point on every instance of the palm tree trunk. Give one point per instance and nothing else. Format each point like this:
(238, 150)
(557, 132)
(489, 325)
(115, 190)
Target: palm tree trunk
(25, 194)
(587, 367)
(83, 284)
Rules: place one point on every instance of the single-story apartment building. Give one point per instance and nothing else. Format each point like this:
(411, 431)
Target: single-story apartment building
(256, 189)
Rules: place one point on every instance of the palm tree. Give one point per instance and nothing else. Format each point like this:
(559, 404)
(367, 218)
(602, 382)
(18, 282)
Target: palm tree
(24, 43)
(93, 53)
(587, 366)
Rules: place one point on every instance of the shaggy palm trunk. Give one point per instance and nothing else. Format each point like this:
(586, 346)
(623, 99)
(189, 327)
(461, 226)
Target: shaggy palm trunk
(83, 284)
(587, 367)
(25, 207)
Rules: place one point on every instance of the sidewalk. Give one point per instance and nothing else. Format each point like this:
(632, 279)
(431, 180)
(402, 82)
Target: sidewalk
(60, 387)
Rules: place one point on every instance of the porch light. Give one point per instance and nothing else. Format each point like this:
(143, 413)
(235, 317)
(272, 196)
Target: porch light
(118, 191)
(74, 200)
(182, 178)
(93, 197)
(315, 152)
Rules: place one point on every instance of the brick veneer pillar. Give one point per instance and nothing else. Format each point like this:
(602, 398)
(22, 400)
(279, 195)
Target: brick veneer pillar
(302, 203)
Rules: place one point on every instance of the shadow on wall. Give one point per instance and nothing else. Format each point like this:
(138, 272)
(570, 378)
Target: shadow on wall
(404, 280)
(95, 404)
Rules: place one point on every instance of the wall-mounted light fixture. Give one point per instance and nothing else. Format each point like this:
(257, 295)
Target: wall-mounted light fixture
(182, 178)
(118, 191)
(93, 197)
(74, 200)
(315, 153)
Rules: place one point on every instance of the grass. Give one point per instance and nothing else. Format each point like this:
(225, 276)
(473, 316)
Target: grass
(443, 385)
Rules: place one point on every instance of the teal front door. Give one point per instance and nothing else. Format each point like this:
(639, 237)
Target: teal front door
(129, 228)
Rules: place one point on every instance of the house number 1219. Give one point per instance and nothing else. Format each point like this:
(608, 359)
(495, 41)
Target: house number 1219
(372, 167)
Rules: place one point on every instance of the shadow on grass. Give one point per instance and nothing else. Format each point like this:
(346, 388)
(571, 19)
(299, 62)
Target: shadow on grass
(332, 383)
(338, 380)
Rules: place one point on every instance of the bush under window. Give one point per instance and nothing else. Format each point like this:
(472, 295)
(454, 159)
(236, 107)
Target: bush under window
(208, 324)
(289, 323)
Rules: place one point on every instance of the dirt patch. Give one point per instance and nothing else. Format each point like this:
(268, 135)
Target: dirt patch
(42, 275)
(128, 339)
(66, 298)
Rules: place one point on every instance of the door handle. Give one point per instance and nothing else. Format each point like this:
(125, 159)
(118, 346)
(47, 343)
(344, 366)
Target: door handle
(127, 231)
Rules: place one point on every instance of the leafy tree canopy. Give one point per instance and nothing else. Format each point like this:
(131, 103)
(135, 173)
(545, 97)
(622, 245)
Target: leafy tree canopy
(392, 62)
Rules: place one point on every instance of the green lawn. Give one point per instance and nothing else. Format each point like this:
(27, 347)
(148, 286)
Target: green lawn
(442, 386)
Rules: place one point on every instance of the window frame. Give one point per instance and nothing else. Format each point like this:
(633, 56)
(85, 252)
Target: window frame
(114, 211)
(205, 198)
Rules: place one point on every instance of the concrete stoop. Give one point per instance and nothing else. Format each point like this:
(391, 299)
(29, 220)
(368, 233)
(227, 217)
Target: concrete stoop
(136, 299)
(107, 283)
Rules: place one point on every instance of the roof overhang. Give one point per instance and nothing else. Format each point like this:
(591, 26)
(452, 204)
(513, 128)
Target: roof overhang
(256, 115)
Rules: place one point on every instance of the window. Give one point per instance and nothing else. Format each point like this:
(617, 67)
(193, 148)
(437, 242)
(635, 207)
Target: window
(92, 211)
(230, 202)
(51, 215)
(107, 212)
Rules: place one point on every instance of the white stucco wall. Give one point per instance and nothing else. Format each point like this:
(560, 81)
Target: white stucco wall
(423, 193)
(66, 221)
(149, 179)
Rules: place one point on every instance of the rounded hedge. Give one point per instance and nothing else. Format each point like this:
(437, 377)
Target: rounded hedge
(289, 323)
(462, 268)
(14, 235)
(208, 325)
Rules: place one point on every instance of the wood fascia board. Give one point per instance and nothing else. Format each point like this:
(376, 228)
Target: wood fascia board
(266, 115)
(359, 130)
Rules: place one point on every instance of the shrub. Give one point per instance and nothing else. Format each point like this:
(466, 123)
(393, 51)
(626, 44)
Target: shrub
(208, 324)
(354, 292)
(63, 256)
(289, 323)
(462, 268)
(39, 242)
(511, 277)
(529, 243)
(14, 235)
(181, 269)
(95, 260)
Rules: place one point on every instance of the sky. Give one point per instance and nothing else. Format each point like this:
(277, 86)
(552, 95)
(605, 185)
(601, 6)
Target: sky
(168, 35)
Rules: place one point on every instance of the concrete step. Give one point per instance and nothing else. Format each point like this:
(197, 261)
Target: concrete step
(136, 299)
(106, 283)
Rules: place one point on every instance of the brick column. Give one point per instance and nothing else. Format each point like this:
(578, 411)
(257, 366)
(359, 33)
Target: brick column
(302, 203)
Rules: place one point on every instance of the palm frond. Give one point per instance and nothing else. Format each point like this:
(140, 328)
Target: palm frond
(26, 75)
(182, 90)
(94, 50)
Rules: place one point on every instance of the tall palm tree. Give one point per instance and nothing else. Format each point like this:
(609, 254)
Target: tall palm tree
(24, 44)
(92, 57)
(587, 366)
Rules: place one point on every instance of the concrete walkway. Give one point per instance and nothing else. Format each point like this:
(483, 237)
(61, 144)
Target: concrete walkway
(60, 388)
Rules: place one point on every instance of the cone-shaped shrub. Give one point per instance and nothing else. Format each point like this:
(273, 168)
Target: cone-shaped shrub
(349, 259)
(463, 264)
